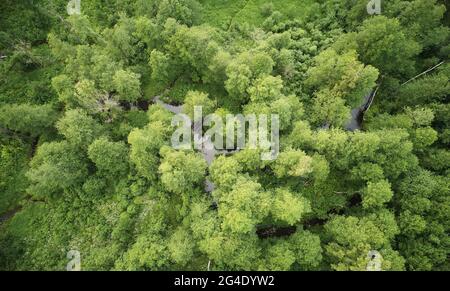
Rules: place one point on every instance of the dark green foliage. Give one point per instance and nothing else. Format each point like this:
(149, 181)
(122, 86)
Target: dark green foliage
(28, 119)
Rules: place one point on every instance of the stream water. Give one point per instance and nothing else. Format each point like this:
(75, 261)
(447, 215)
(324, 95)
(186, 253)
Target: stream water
(357, 115)
(9, 214)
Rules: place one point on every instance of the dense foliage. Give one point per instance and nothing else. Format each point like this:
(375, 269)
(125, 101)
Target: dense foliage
(86, 161)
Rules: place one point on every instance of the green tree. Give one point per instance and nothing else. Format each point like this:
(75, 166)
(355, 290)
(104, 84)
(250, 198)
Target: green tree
(145, 144)
(239, 78)
(184, 11)
(423, 20)
(307, 249)
(288, 207)
(329, 109)
(292, 164)
(266, 89)
(279, 256)
(195, 98)
(56, 167)
(127, 85)
(180, 171)
(376, 194)
(181, 247)
(352, 238)
(109, 157)
(343, 75)
(382, 43)
(160, 65)
(423, 220)
(232, 251)
(225, 171)
(243, 206)
(79, 128)
(147, 253)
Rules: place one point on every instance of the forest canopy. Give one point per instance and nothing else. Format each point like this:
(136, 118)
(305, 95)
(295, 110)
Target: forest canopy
(87, 102)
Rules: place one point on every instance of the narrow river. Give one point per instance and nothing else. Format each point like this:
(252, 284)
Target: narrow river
(357, 117)
(9, 214)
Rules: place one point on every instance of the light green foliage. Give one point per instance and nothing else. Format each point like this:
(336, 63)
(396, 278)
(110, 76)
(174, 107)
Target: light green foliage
(266, 89)
(145, 144)
(121, 38)
(199, 99)
(147, 253)
(159, 63)
(238, 80)
(86, 94)
(158, 114)
(221, 12)
(248, 159)
(424, 137)
(78, 128)
(307, 249)
(127, 85)
(420, 116)
(225, 171)
(301, 135)
(232, 251)
(181, 247)
(180, 171)
(292, 164)
(244, 206)
(368, 172)
(267, 9)
(329, 109)
(288, 207)
(244, 70)
(321, 168)
(376, 194)
(109, 157)
(146, 29)
(343, 75)
(192, 48)
(280, 257)
(354, 237)
(430, 88)
(184, 11)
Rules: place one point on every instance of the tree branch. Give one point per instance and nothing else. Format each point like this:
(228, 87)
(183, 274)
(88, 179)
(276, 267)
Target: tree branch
(423, 73)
